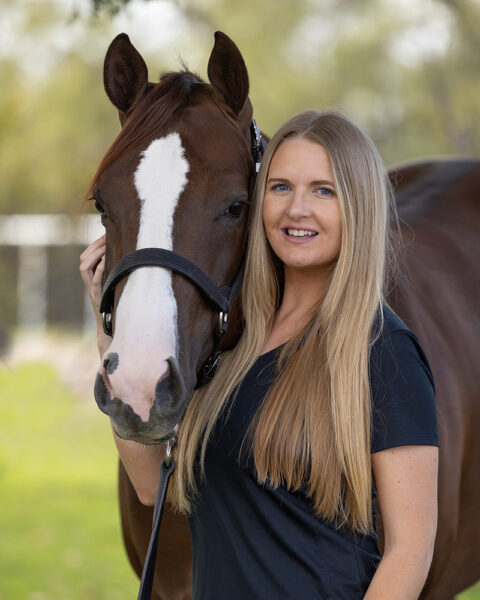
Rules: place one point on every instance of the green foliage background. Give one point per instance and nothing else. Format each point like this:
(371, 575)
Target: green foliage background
(365, 58)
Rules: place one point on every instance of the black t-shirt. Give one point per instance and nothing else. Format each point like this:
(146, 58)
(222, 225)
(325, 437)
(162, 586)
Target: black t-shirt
(253, 541)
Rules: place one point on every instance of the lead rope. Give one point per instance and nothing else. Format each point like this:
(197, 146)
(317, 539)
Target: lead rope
(166, 470)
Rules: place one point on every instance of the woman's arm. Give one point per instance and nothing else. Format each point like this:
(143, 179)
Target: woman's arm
(406, 482)
(141, 462)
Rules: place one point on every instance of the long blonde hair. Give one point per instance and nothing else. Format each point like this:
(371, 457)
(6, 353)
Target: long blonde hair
(312, 429)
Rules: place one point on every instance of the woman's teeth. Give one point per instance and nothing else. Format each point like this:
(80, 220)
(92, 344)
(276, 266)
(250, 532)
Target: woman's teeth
(300, 232)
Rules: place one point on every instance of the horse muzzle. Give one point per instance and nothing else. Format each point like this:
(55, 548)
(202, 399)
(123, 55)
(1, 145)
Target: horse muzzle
(166, 406)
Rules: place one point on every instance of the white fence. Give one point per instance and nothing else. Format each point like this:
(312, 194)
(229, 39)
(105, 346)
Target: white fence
(33, 234)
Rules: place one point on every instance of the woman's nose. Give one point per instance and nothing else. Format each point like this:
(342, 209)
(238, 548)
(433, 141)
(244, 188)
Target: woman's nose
(299, 206)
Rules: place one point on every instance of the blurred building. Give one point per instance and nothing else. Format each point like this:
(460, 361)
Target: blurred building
(40, 280)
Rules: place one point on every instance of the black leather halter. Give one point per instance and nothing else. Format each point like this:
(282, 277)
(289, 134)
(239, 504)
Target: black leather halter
(222, 297)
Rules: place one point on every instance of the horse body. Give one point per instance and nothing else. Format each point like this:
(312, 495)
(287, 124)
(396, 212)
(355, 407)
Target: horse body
(194, 162)
(173, 572)
(439, 299)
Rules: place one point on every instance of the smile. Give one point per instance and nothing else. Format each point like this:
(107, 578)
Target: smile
(300, 233)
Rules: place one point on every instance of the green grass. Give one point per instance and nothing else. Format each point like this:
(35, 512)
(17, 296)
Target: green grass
(59, 526)
(472, 593)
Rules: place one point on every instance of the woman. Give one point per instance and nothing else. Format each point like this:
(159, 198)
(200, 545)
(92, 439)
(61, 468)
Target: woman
(323, 410)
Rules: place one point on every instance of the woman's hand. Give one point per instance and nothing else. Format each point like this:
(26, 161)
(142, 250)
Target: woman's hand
(92, 267)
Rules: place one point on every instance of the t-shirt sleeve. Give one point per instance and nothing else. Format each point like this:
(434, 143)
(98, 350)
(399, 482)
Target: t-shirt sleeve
(403, 393)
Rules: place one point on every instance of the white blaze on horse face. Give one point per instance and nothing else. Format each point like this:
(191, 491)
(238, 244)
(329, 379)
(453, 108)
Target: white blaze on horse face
(146, 316)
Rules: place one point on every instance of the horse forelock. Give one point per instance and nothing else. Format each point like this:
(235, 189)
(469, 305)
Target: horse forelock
(152, 114)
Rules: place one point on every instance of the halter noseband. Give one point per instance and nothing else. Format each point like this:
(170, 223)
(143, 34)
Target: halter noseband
(221, 297)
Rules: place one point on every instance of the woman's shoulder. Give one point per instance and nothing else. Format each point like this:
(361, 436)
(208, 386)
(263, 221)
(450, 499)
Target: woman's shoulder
(396, 347)
(402, 386)
(391, 322)
(391, 333)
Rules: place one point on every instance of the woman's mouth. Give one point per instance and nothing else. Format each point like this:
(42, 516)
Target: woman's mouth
(299, 234)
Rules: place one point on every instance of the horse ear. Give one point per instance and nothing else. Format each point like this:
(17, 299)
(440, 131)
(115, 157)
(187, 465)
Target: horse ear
(227, 72)
(125, 74)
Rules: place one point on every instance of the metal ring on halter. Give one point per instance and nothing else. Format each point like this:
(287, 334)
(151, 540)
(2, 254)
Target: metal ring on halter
(257, 145)
(168, 454)
(107, 323)
(222, 322)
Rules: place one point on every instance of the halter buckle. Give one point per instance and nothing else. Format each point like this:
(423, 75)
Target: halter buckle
(107, 323)
(168, 454)
(222, 324)
(256, 145)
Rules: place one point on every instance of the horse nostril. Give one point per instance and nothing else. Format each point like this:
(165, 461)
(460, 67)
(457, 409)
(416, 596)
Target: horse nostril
(102, 396)
(110, 363)
(170, 388)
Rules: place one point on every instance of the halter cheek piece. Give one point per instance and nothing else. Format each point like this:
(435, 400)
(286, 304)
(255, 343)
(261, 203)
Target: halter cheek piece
(222, 298)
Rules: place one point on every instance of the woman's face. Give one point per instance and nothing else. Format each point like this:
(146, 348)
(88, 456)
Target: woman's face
(301, 212)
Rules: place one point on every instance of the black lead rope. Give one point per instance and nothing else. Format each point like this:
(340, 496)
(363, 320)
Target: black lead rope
(166, 470)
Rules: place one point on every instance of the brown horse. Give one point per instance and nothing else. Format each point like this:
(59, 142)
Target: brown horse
(178, 176)
(439, 298)
(185, 145)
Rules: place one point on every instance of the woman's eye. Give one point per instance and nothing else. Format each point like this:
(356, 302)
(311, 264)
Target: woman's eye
(235, 210)
(323, 191)
(280, 187)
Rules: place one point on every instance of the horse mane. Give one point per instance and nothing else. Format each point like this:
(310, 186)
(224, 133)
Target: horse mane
(152, 113)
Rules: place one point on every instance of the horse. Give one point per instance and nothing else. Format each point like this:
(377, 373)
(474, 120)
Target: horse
(178, 176)
(438, 297)
(186, 143)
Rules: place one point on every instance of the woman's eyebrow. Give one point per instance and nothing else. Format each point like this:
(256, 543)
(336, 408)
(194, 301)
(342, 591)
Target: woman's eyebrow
(323, 182)
(281, 179)
(316, 182)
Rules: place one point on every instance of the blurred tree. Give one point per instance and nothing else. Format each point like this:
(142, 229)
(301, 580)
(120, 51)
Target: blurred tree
(55, 123)
(52, 138)
(407, 72)
(113, 6)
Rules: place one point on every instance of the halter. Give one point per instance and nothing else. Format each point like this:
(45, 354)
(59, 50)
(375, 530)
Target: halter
(222, 297)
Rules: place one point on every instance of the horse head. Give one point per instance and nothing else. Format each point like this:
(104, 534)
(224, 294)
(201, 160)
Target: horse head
(177, 177)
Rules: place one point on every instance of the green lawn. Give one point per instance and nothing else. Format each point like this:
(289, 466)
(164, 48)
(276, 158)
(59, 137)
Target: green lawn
(471, 594)
(59, 527)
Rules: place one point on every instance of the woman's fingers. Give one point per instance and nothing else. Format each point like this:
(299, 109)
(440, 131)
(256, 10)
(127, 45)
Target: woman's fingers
(90, 259)
(99, 270)
(92, 254)
(92, 247)
(98, 242)
(92, 267)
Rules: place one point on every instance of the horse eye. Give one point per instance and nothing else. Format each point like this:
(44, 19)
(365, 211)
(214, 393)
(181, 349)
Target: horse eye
(235, 210)
(98, 206)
